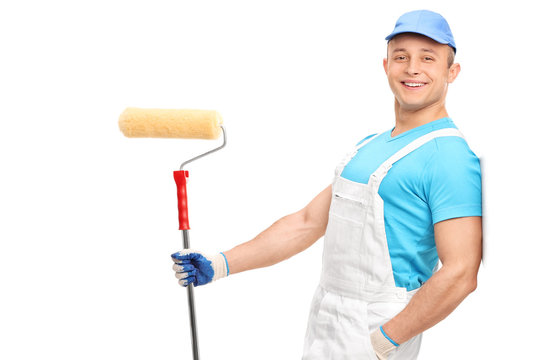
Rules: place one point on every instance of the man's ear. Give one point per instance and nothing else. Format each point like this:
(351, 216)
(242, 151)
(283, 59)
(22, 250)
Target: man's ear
(385, 65)
(453, 72)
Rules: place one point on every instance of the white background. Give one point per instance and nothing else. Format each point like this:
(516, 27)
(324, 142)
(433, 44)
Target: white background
(89, 218)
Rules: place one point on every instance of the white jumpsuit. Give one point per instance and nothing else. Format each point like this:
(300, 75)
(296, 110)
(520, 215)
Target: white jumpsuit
(357, 291)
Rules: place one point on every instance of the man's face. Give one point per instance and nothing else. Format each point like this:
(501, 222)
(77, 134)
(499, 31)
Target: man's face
(418, 72)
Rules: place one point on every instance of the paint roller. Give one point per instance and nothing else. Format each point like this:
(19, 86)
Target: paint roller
(184, 124)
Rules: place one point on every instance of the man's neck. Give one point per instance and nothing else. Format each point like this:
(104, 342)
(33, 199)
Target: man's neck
(407, 120)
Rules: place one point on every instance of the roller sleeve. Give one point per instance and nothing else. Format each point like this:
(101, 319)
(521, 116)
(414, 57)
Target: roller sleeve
(170, 123)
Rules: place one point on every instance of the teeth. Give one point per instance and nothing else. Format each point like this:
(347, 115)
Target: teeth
(414, 84)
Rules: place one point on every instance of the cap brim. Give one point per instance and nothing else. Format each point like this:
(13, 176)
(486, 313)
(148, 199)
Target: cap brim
(439, 40)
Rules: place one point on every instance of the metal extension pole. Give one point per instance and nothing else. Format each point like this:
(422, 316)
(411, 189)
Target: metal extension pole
(191, 302)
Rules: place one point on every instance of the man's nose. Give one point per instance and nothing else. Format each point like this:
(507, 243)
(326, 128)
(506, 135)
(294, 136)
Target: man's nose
(413, 67)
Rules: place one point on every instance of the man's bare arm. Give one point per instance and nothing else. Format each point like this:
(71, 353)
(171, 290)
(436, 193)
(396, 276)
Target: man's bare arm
(286, 237)
(459, 244)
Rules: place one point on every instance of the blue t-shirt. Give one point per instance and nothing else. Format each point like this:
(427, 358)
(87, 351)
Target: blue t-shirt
(440, 180)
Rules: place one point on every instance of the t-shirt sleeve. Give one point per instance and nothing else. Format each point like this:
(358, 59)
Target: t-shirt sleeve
(453, 183)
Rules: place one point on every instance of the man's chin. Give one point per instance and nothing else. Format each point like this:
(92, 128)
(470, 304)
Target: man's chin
(412, 107)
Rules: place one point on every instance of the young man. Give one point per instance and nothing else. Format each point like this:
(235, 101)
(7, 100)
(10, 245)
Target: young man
(402, 200)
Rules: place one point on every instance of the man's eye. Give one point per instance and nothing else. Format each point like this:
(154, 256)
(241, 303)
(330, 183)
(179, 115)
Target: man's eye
(400, 57)
(428, 58)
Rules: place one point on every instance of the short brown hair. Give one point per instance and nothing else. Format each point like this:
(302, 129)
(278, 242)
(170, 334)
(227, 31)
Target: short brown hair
(451, 56)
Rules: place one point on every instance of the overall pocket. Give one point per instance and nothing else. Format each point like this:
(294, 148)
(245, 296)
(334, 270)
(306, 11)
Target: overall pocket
(348, 208)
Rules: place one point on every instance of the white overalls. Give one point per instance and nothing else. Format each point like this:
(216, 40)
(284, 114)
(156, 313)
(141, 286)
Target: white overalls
(357, 291)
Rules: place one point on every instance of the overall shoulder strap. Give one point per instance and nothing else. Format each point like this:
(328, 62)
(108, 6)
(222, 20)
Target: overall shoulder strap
(381, 171)
(351, 154)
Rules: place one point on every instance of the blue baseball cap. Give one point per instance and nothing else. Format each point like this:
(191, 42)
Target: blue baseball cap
(427, 23)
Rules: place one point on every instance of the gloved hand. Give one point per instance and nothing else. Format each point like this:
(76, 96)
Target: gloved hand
(195, 267)
(382, 346)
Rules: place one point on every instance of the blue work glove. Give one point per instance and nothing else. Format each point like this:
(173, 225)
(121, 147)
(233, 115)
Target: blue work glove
(195, 267)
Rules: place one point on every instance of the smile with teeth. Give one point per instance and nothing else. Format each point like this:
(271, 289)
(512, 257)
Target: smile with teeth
(413, 84)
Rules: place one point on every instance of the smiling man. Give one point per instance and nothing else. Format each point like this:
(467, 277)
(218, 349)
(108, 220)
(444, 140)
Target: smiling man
(400, 201)
(419, 70)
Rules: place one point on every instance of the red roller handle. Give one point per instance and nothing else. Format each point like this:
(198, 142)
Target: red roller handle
(180, 177)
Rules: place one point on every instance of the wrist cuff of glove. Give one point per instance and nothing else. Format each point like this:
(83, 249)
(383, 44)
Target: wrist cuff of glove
(226, 262)
(220, 265)
(382, 344)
